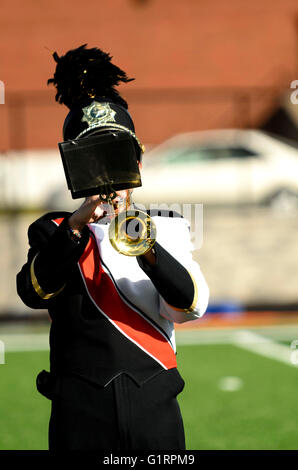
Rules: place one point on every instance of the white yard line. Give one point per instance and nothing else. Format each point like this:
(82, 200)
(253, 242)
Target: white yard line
(265, 347)
(25, 342)
(226, 335)
(189, 337)
(248, 339)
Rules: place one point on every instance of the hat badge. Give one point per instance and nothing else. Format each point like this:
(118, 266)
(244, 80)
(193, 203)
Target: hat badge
(98, 114)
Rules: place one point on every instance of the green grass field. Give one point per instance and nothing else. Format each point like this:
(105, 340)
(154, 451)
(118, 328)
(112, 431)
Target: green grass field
(260, 412)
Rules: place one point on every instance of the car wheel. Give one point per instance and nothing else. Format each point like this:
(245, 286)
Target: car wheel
(284, 200)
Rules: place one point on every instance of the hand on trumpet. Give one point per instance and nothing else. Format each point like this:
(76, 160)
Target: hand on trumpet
(122, 239)
(90, 211)
(95, 208)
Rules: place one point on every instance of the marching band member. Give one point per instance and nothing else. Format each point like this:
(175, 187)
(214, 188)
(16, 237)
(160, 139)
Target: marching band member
(113, 377)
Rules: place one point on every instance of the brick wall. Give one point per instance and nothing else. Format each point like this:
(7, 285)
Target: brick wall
(198, 64)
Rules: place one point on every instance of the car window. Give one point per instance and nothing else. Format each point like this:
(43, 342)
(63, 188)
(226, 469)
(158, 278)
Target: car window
(190, 155)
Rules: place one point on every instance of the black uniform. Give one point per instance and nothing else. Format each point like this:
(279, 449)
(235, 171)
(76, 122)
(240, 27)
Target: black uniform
(113, 379)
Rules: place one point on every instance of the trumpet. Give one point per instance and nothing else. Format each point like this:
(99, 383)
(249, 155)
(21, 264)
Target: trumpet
(132, 232)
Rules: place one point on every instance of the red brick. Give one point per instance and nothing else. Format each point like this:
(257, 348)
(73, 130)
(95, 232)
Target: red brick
(164, 45)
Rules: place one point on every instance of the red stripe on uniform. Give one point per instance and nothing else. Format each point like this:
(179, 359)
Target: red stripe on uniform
(58, 221)
(128, 321)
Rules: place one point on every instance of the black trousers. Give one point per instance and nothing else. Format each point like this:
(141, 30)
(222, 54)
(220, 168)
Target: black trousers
(120, 416)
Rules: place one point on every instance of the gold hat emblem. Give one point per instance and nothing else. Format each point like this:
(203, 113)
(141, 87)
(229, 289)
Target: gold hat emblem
(98, 114)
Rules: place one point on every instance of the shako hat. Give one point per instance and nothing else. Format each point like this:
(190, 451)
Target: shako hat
(100, 149)
(85, 80)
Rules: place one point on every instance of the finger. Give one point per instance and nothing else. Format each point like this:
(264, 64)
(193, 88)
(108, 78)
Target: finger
(92, 199)
(98, 211)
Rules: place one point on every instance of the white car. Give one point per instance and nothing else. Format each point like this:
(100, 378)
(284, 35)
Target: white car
(228, 166)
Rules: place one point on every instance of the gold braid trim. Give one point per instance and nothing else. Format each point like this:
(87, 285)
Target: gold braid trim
(37, 287)
(114, 126)
(194, 302)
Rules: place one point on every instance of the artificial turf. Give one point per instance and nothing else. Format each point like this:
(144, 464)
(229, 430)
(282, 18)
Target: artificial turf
(260, 414)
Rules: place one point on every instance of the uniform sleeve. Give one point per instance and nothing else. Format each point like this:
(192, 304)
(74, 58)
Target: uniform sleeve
(51, 260)
(184, 293)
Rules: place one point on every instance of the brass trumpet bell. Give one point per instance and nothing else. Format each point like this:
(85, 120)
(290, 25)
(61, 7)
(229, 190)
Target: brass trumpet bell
(132, 232)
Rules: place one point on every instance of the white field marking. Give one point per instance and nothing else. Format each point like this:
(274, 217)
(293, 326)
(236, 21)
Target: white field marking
(25, 342)
(264, 346)
(193, 337)
(230, 384)
(278, 332)
(226, 335)
(248, 340)
(2, 352)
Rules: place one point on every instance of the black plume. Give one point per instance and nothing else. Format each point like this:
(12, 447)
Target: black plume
(85, 74)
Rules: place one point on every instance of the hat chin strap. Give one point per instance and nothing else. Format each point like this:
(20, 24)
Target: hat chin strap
(114, 126)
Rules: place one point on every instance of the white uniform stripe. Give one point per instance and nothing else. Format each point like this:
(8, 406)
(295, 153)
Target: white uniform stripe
(116, 326)
(133, 307)
(111, 321)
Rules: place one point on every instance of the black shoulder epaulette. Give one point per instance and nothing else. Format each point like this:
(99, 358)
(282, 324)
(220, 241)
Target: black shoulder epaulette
(42, 228)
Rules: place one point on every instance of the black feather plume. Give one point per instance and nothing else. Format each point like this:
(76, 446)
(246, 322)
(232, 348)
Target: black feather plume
(82, 75)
